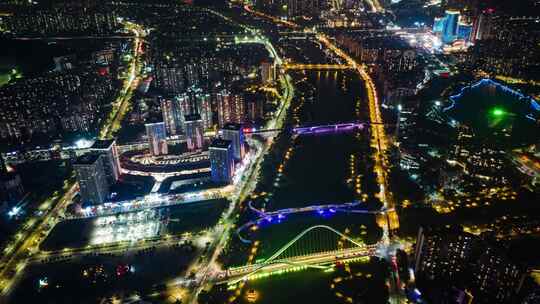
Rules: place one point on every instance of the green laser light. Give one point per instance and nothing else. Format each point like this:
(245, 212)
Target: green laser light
(498, 112)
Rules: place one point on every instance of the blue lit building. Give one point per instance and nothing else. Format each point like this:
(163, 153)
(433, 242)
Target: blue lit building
(157, 138)
(448, 27)
(451, 26)
(438, 25)
(464, 31)
(234, 133)
(221, 161)
(194, 131)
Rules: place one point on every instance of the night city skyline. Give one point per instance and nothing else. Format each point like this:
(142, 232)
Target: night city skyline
(270, 151)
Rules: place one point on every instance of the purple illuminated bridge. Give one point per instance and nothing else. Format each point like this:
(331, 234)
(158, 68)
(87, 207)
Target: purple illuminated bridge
(342, 127)
(320, 129)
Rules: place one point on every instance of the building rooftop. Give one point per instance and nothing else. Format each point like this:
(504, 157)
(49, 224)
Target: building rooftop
(192, 117)
(220, 143)
(87, 159)
(155, 124)
(232, 126)
(101, 144)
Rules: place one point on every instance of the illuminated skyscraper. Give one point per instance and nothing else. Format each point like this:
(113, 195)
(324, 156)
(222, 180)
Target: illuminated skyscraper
(234, 133)
(204, 108)
(157, 138)
(254, 108)
(107, 149)
(194, 131)
(268, 72)
(174, 110)
(464, 31)
(221, 161)
(231, 107)
(438, 24)
(483, 25)
(223, 107)
(92, 179)
(451, 26)
(169, 111)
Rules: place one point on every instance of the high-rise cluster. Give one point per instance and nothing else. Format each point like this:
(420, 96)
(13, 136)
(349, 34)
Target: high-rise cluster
(450, 261)
(61, 21)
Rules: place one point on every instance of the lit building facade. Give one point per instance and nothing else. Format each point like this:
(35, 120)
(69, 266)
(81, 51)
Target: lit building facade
(450, 258)
(451, 26)
(448, 26)
(234, 133)
(204, 109)
(194, 132)
(268, 72)
(230, 107)
(107, 149)
(482, 26)
(157, 138)
(94, 188)
(221, 161)
(169, 110)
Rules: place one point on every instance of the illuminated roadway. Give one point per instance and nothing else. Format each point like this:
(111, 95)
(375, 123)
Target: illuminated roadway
(14, 263)
(245, 185)
(379, 140)
(121, 105)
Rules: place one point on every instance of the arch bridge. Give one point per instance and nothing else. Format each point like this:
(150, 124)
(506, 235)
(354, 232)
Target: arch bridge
(318, 247)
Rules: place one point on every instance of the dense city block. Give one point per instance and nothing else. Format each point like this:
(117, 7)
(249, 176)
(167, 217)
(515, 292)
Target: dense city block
(270, 151)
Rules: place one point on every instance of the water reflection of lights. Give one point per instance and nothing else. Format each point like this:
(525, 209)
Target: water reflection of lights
(126, 227)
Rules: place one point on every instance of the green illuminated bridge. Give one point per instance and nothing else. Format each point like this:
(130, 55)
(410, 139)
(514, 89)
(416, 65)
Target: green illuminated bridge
(317, 247)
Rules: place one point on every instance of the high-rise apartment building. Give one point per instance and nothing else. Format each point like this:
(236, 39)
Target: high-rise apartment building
(194, 131)
(221, 161)
(230, 107)
(235, 133)
(169, 110)
(169, 77)
(204, 108)
(92, 179)
(268, 72)
(157, 138)
(450, 258)
(107, 149)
